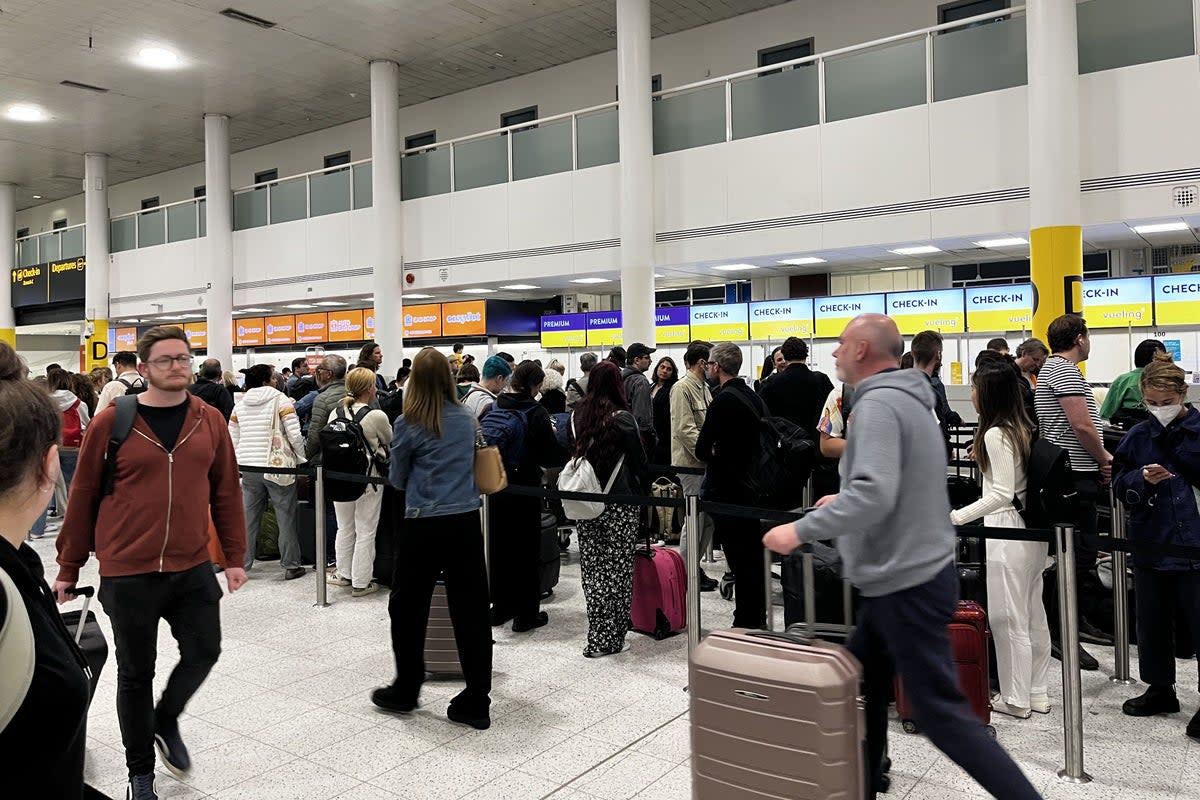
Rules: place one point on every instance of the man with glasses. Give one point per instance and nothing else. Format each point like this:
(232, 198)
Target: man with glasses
(147, 520)
(690, 398)
(331, 386)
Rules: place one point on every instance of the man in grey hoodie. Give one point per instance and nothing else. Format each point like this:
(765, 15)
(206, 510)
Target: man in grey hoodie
(892, 526)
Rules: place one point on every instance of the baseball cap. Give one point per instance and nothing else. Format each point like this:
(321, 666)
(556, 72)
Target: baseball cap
(637, 350)
(496, 367)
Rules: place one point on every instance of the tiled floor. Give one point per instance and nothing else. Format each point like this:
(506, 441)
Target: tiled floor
(286, 715)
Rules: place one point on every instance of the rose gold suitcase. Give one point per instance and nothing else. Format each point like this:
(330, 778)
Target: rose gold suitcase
(441, 651)
(776, 715)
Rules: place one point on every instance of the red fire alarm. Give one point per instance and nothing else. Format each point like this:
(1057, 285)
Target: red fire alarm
(410, 279)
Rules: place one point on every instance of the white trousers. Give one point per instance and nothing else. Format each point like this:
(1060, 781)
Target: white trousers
(355, 543)
(1016, 613)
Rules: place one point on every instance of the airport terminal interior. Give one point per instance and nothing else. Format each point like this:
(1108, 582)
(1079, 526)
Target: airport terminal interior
(288, 180)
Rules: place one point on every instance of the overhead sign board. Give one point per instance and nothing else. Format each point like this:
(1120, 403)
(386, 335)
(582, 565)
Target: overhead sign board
(30, 285)
(421, 321)
(728, 323)
(67, 280)
(934, 310)
(776, 320)
(197, 335)
(603, 328)
(346, 326)
(281, 330)
(250, 332)
(996, 309)
(672, 325)
(1118, 302)
(468, 318)
(125, 339)
(311, 328)
(1177, 299)
(564, 330)
(832, 314)
(369, 322)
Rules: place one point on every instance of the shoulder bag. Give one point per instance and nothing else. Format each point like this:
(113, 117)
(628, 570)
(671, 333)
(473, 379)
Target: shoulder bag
(280, 453)
(490, 476)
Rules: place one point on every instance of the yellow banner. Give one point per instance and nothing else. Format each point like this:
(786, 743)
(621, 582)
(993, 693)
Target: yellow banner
(831, 327)
(942, 322)
(564, 338)
(672, 334)
(604, 337)
(1138, 315)
(777, 329)
(1001, 321)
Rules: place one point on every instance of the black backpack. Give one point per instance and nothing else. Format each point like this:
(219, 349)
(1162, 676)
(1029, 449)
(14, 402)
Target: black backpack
(344, 449)
(135, 388)
(785, 461)
(1049, 486)
(126, 413)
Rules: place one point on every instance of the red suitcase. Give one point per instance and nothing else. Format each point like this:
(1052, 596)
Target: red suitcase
(659, 591)
(969, 637)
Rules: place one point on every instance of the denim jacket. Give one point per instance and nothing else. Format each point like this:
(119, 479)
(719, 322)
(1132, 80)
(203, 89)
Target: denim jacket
(436, 475)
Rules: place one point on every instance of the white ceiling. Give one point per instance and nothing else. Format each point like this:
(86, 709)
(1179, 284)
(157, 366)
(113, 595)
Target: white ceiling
(275, 84)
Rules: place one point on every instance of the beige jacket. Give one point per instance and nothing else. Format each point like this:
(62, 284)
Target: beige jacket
(690, 398)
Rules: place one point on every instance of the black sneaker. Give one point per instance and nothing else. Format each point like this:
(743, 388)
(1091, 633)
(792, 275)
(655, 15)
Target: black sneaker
(141, 787)
(294, 572)
(523, 625)
(1092, 635)
(1155, 700)
(478, 721)
(708, 584)
(172, 749)
(1193, 726)
(389, 699)
(1087, 662)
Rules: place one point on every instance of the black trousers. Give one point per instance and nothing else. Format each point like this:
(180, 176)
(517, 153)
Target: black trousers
(451, 547)
(741, 541)
(516, 530)
(1165, 599)
(188, 601)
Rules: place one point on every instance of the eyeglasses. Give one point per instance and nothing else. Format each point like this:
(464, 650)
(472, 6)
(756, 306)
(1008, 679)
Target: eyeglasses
(168, 361)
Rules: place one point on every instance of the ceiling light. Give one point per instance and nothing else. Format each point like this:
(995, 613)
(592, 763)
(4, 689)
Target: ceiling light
(252, 310)
(498, 54)
(129, 322)
(801, 262)
(410, 296)
(1161, 227)
(918, 250)
(23, 112)
(519, 287)
(300, 305)
(37, 197)
(328, 303)
(168, 318)
(1011, 241)
(87, 87)
(589, 280)
(250, 19)
(657, 275)
(158, 58)
(478, 290)
(735, 267)
(892, 269)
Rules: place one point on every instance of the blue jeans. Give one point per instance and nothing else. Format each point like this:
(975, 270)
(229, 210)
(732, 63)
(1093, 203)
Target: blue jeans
(67, 459)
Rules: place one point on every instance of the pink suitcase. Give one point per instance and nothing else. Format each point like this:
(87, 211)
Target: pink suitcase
(659, 591)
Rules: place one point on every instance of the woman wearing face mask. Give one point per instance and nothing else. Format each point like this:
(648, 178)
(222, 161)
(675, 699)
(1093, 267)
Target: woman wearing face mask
(1156, 473)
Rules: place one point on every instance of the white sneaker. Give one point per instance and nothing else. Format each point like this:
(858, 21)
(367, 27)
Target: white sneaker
(1039, 704)
(333, 579)
(1001, 707)
(370, 588)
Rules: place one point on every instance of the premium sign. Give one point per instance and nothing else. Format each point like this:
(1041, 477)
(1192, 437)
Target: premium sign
(1118, 303)
(671, 325)
(604, 328)
(250, 332)
(464, 319)
(311, 328)
(422, 321)
(281, 330)
(729, 323)
(832, 314)
(776, 320)
(197, 335)
(996, 309)
(938, 310)
(564, 330)
(346, 326)
(1177, 299)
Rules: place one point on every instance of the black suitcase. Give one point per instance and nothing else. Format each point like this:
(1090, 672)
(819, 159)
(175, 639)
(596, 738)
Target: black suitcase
(828, 587)
(391, 517)
(551, 565)
(83, 626)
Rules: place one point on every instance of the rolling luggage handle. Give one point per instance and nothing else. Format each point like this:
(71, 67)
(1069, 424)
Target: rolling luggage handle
(86, 592)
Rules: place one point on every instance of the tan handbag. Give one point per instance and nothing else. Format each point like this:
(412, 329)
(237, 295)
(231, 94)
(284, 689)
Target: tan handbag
(490, 476)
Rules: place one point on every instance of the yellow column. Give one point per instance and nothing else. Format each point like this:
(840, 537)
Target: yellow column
(8, 262)
(1056, 266)
(95, 351)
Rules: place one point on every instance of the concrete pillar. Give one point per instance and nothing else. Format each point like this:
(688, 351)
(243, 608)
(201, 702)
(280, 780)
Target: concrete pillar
(636, 138)
(389, 224)
(8, 261)
(1056, 235)
(96, 274)
(218, 220)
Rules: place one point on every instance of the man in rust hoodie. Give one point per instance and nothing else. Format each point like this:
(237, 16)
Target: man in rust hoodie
(150, 535)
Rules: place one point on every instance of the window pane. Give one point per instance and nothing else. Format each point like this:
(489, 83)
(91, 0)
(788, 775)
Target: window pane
(480, 162)
(1119, 33)
(978, 59)
(362, 186)
(122, 234)
(150, 229)
(597, 139)
(72, 242)
(425, 174)
(881, 79)
(181, 222)
(778, 102)
(287, 201)
(48, 247)
(544, 150)
(692, 119)
(968, 10)
(329, 193)
(27, 252)
(202, 215)
(250, 209)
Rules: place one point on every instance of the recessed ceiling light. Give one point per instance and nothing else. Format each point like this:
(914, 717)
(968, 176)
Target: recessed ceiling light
(892, 269)
(158, 58)
(328, 303)
(918, 250)
(735, 267)
(37, 197)
(519, 287)
(1011, 241)
(477, 290)
(801, 262)
(300, 305)
(252, 310)
(23, 112)
(498, 54)
(589, 280)
(1161, 227)
(411, 296)
(129, 322)
(168, 318)
(657, 275)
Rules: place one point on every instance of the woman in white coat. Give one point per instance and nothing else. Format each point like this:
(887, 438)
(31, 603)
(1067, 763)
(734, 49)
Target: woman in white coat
(1014, 569)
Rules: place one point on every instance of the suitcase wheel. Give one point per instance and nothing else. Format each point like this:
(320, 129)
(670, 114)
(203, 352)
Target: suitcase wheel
(909, 725)
(726, 586)
(564, 539)
(991, 731)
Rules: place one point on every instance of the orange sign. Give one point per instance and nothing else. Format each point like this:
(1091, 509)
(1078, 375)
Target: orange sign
(369, 322)
(311, 328)
(346, 326)
(464, 319)
(281, 330)
(126, 338)
(422, 321)
(197, 334)
(250, 332)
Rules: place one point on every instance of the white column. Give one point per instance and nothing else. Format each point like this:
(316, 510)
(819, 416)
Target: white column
(96, 253)
(636, 137)
(8, 261)
(218, 237)
(389, 224)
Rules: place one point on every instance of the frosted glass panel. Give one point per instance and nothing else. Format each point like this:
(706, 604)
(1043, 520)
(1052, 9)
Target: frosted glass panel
(362, 186)
(329, 193)
(425, 174)
(982, 58)
(48, 247)
(72, 242)
(778, 102)
(27, 252)
(250, 209)
(692, 119)
(202, 215)
(1119, 33)
(181, 222)
(480, 162)
(880, 79)
(597, 139)
(287, 201)
(122, 235)
(543, 150)
(151, 229)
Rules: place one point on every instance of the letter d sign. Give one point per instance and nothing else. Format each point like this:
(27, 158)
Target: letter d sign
(99, 351)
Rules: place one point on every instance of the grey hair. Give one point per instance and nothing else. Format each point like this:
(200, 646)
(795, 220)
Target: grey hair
(728, 356)
(1030, 346)
(335, 365)
(587, 361)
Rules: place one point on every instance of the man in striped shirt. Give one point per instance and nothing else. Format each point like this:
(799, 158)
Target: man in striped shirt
(1067, 416)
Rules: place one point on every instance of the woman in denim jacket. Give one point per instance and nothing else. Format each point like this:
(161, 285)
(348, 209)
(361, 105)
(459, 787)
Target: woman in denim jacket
(1156, 473)
(433, 454)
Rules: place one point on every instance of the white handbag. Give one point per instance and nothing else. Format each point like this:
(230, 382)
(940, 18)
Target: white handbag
(16, 651)
(579, 476)
(280, 453)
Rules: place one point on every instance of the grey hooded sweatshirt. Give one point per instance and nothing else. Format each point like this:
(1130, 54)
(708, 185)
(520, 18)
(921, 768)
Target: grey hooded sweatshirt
(892, 517)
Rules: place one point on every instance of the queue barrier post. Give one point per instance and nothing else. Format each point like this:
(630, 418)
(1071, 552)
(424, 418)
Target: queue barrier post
(1068, 620)
(322, 556)
(692, 558)
(767, 588)
(1120, 598)
(485, 517)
